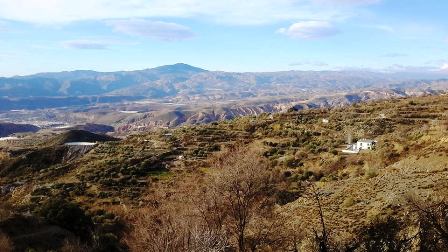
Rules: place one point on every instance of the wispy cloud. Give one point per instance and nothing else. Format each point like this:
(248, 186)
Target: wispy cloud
(86, 44)
(408, 30)
(158, 30)
(381, 27)
(248, 12)
(3, 26)
(309, 30)
(348, 2)
(309, 63)
(394, 55)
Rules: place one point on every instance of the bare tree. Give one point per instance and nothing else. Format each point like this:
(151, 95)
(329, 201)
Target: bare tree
(432, 221)
(232, 209)
(322, 237)
(243, 182)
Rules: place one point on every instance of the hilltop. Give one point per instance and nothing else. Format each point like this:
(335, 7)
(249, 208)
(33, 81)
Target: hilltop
(79, 136)
(167, 173)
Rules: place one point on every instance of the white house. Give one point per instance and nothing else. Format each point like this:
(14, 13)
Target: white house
(325, 121)
(362, 144)
(365, 144)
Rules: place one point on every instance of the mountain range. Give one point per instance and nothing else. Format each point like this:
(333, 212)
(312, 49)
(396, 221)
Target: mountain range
(186, 82)
(183, 94)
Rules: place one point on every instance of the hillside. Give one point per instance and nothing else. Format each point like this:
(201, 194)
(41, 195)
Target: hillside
(170, 181)
(7, 129)
(79, 136)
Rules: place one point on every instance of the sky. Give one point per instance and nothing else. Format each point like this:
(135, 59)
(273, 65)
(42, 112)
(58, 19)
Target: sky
(228, 35)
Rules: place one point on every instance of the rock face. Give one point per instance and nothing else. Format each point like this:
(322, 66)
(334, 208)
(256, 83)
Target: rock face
(76, 151)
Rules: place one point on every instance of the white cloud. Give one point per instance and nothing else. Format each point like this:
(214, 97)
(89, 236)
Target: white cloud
(247, 12)
(152, 29)
(444, 67)
(309, 30)
(85, 44)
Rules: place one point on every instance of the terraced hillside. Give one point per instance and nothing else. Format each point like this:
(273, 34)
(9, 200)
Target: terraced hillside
(169, 172)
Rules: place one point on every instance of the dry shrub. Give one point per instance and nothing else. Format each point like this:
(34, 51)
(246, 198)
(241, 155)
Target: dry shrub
(432, 216)
(371, 169)
(155, 230)
(5, 243)
(74, 246)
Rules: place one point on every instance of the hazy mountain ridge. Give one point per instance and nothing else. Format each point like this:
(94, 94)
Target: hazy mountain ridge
(183, 82)
(83, 83)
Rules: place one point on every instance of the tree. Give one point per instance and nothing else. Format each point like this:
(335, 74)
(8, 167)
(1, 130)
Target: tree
(243, 182)
(432, 218)
(232, 207)
(321, 238)
(383, 235)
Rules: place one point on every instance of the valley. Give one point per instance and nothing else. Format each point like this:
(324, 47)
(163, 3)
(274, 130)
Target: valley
(153, 180)
(180, 94)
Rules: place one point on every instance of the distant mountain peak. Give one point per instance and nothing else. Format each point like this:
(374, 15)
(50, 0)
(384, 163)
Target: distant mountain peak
(179, 67)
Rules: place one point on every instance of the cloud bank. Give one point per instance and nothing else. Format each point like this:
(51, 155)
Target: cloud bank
(248, 12)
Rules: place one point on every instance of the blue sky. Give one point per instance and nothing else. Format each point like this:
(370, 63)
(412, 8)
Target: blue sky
(230, 35)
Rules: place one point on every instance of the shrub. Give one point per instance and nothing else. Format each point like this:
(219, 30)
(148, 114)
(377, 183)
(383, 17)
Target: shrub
(73, 246)
(69, 216)
(348, 202)
(370, 170)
